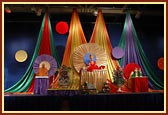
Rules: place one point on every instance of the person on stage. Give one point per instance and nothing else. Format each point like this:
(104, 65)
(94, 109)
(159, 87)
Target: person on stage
(92, 64)
(43, 71)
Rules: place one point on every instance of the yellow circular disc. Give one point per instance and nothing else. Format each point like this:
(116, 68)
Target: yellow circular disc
(47, 64)
(21, 56)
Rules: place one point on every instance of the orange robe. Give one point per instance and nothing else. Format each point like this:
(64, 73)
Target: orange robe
(42, 72)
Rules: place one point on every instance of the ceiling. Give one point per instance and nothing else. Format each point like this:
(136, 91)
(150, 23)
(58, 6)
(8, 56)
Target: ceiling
(113, 13)
(145, 9)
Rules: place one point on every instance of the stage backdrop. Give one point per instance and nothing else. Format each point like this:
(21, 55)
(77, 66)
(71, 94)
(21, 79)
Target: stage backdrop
(21, 31)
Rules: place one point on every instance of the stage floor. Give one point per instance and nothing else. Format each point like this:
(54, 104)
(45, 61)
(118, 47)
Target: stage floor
(153, 101)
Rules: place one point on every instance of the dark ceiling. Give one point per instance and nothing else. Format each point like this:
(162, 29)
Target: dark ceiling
(113, 13)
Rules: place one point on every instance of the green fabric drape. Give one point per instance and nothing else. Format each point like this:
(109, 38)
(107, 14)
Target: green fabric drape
(24, 83)
(134, 53)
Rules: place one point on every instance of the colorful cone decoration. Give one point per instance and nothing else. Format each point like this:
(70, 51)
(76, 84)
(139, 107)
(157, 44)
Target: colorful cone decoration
(133, 53)
(44, 45)
(76, 37)
(101, 37)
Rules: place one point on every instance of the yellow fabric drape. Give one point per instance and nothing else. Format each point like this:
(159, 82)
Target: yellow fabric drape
(76, 37)
(101, 37)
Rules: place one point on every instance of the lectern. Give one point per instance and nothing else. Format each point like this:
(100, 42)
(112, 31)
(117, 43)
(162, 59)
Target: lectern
(41, 85)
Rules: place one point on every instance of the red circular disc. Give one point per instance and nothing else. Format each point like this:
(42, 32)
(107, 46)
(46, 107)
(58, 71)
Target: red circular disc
(160, 63)
(129, 68)
(62, 27)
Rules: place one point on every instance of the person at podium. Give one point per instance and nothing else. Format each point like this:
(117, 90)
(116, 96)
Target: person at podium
(43, 71)
(41, 82)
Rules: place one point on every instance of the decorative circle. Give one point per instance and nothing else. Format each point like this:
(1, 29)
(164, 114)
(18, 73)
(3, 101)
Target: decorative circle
(129, 68)
(87, 58)
(117, 52)
(160, 63)
(62, 27)
(49, 62)
(21, 56)
(81, 51)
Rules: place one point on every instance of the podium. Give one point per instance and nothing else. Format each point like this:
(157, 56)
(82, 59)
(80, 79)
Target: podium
(139, 84)
(41, 85)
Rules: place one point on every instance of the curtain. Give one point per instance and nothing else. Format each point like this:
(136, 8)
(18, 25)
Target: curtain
(101, 37)
(75, 38)
(134, 53)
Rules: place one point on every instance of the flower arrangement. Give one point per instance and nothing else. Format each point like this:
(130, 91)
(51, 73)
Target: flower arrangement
(64, 76)
(106, 88)
(118, 77)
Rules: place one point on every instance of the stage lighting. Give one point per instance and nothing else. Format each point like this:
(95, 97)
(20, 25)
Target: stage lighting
(138, 15)
(95, 13)
(38, 12)
(33, 9)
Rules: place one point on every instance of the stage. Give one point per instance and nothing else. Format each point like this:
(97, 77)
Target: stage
(150, 101)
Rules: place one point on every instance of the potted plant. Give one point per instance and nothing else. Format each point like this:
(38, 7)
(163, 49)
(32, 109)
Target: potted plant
(118, 78)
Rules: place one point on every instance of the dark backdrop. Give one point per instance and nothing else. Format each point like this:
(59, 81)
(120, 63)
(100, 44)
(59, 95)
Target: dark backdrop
(22, 29)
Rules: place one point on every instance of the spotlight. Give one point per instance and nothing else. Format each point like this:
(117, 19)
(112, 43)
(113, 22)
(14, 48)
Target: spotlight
(38, 12)
(33, 9)
(95, 13)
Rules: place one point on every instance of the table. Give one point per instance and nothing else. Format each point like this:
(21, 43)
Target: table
(41, 85)
(95, 78)
(139, 84)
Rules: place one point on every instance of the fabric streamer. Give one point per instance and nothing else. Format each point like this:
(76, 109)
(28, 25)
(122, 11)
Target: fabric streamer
(101, 37)
(75, 38)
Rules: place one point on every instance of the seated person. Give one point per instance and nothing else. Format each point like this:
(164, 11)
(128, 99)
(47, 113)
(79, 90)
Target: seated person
(92, 64)
(43, 71)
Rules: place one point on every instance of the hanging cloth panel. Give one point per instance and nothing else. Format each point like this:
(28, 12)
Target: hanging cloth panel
(75, 38)
(101, 37)
(134, 53)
